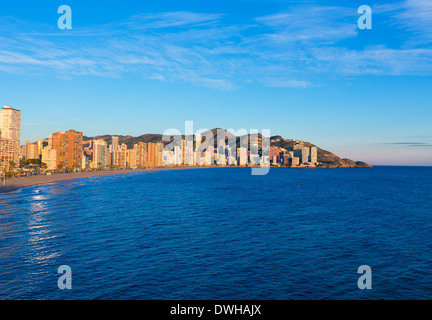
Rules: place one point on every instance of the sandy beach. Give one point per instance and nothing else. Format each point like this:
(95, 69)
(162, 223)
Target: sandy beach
(15, 184)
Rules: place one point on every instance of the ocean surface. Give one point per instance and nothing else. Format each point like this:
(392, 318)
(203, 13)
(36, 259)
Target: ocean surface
(222, 233)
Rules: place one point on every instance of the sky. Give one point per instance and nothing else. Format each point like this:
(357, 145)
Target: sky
(303, 69)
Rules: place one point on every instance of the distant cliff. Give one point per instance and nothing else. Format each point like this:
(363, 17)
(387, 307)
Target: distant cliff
(326, 158)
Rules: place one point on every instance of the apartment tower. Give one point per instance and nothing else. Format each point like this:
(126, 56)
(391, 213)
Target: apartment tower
(10, 129)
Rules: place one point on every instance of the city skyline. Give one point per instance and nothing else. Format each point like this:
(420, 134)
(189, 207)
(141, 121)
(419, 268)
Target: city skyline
(39, 151)
(71, 151)
(68, 150)
(304, 71)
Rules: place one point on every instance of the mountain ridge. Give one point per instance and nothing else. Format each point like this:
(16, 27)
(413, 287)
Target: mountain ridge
(326, 158)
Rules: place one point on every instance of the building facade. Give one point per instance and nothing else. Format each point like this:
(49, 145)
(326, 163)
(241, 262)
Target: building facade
(69, 148)
(10, 128)
(6, 153)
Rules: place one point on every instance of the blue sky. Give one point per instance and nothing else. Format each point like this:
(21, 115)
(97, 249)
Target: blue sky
(302, 69)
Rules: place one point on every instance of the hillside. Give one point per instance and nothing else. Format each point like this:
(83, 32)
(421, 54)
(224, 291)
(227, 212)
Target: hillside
(327, 158)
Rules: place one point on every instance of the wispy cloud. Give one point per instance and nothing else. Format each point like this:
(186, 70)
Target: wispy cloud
(410, 144)
(410, 15)
(287, 49)
(170, 19)
(413, 143)
(417, 15)
(326, 24)
(284, 83)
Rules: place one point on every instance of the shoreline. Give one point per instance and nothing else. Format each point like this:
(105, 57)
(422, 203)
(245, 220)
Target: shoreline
(60, 177)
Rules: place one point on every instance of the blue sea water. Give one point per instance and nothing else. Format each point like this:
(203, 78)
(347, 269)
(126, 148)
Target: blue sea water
(222, 233)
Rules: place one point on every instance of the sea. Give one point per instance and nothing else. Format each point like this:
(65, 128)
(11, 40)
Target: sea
(222, 233)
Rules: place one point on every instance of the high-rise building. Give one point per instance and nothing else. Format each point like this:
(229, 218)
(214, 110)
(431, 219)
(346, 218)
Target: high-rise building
(49, 157)
(50, 141)
(183, 150)
(132, 157)
(142, 154)
(242, 155)
(286, 159)
(275, 152)
(115, 160)
(40, 145)
(295, 161)
(115, 144)
(10, 128)
(199, 156)
(123, 156)
(209, 156)
(305, 155)
(84, 162)
(221, 158)
(231, 157)
(188, 152)
(31, 150)
(22, 152)
(177, 156)
(314, 155)
(151, 155)
(159, 154)
(6, 153)
(99, 153)
(68, 146)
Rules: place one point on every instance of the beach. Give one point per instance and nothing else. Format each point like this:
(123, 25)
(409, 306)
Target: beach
(17, 183)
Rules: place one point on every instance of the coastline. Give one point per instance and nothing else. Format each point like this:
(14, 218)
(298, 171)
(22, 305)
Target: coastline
(60, 177)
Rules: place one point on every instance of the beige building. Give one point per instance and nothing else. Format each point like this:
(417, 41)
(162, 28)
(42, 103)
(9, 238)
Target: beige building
(115, 144)
(49, 157)
(198, 151)
(142, 154)
(10, 128)
(6, 153)
(123, 156)
(151, 155)
(31, 150)
(40, 146)
(188, 159)
(132, 157)
(242, 155)
(314, 155)
(99, 154)
(159, 154)
(115, 160)
(295, 161)
(305, 155)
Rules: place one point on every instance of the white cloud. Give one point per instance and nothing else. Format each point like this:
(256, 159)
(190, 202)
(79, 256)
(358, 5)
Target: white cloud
(170, 19)
(287, 49)
(286, 83)
(414, 16)
(311, 23)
